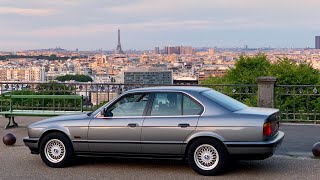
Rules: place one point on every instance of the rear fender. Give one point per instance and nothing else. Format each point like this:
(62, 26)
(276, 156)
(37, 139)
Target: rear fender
(203, 134)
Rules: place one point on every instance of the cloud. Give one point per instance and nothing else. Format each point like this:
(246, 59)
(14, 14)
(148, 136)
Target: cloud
(26, 11)
(175, 6)
(87, 30)
(76, 21)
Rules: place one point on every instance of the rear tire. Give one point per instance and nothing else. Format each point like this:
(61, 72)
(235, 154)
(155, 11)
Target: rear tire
(56, 150)
(208, 157)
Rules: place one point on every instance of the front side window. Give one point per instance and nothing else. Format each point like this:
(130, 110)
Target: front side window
(129, 105)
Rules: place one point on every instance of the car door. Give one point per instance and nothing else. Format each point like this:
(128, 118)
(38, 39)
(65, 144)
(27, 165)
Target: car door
(118, 128)
(168, 122)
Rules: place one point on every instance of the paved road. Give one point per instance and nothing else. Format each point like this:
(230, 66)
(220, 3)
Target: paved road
(17, 162)
(299, 139)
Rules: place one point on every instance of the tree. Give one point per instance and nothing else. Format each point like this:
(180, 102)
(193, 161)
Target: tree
(287, 72)
(245, 71)
(51, 88)
(77, 77)
(52, 57)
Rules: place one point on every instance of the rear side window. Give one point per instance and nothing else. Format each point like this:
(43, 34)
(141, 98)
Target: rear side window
(174, 104)
(190, 107)
(166, 104)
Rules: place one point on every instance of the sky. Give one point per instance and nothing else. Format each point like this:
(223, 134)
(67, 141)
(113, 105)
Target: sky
(145, 24)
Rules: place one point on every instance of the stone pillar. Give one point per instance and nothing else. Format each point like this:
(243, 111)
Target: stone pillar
(266, 91)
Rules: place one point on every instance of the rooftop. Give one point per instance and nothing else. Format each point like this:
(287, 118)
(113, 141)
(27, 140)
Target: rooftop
(171, 88)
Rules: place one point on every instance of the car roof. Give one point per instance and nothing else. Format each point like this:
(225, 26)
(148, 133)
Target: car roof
(171, 88)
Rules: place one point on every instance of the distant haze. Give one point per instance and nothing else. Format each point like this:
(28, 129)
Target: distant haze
(144, 24)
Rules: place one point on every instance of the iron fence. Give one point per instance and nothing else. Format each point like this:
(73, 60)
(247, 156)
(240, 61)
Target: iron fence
(298, 103)
(96, 94)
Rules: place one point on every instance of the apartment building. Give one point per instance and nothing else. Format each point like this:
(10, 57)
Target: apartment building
(22, 74)
(148, 76)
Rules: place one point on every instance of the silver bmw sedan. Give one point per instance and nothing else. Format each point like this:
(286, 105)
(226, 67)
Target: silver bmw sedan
(207, 128)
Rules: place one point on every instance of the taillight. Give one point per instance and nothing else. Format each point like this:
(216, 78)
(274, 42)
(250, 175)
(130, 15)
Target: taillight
(271, 126)
(267, 129)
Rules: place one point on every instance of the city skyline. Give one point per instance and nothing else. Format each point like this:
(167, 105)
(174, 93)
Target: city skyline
(89, 25)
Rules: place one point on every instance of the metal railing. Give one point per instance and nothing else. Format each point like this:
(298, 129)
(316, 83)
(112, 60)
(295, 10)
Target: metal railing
(97, 94)
(298, 103)
(94, 94)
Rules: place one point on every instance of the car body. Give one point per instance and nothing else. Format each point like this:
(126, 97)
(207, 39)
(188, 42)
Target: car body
(197, 123)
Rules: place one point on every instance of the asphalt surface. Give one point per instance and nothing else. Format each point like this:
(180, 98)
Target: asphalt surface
(299, 139)
(293, 160)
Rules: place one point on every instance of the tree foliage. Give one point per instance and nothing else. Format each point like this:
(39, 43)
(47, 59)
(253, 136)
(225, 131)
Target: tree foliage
(290, 73)
(45, 103)
(290, 100)
(247, 69)
(52, 57)
(77, 77)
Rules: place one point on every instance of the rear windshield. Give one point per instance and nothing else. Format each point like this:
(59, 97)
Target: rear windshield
(224, 100)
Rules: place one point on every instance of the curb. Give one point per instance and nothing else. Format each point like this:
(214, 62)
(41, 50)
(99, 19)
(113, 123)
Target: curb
(302, 157)
(299, 124)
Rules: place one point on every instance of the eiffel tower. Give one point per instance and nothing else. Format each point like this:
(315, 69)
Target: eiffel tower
(119, 49)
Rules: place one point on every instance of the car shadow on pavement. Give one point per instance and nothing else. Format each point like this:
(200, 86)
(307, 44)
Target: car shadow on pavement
(83, 161)
(172, 165)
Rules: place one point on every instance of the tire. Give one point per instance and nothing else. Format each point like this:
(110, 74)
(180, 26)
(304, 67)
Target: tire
(56, 150)
(208, 157)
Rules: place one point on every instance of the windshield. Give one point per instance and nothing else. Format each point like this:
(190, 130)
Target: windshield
(224, 100)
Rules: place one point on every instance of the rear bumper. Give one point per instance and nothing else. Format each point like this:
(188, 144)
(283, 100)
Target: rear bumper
(32, 144)
(254, 150)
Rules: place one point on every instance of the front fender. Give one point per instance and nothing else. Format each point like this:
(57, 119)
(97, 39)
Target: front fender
(37, 131)
(56, 128)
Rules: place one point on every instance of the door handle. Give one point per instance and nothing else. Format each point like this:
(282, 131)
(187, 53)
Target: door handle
(184, 125)
(133, 125)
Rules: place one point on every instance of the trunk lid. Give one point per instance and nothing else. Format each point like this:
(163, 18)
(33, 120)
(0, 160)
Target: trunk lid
(258, 111)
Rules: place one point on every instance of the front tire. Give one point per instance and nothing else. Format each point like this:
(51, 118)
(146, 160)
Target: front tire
(56, 150)
(207, 157)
